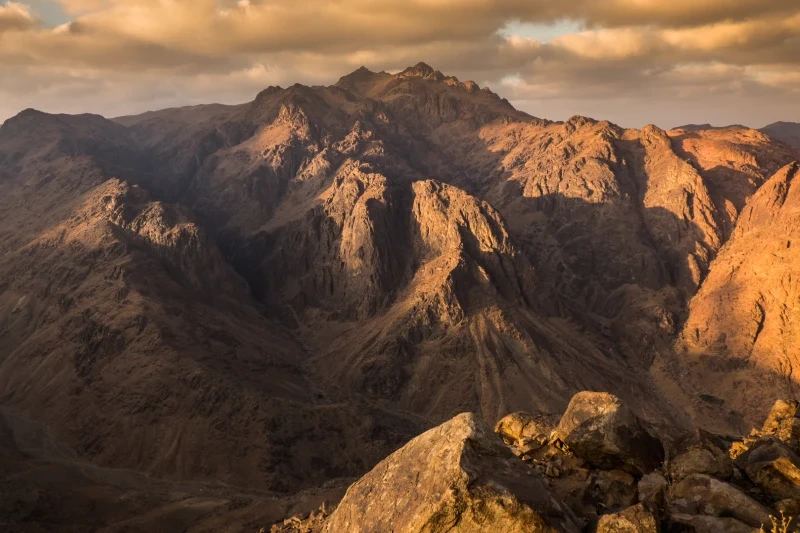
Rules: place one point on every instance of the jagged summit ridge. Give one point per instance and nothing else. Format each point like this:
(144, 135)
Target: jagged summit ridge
(364, 80)
(396, 249)
(425, 71)
(422, 70)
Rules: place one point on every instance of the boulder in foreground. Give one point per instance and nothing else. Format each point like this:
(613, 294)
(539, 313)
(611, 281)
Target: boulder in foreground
(458, 478)
(700, 494)
(636, 519)
(523, 428)
(601, 429)
(774, 467)
(700, 452)
(784, 423)
(712, 524)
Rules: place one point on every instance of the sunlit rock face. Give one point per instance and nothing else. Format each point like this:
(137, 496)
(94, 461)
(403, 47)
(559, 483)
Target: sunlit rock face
(361, 262)
(460, 477)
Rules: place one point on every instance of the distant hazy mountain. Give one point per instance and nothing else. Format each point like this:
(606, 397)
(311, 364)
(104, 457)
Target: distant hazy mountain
(788, 132)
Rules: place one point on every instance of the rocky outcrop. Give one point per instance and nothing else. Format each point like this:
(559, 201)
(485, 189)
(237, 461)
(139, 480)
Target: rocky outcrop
(783, 422)
(704, 495)
(456, 477)
(37, 147)
(680, 212)
(711, 524)
(734, 162)
(523, 428)
(700, 452)
(170, 233)
(636, 519)
(312, 523)
(651, 489)
(601, 429)
(773, 467)
(459, 477)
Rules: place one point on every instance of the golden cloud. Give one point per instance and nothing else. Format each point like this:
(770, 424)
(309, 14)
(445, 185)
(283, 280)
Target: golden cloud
(16, 16)
(204, 48)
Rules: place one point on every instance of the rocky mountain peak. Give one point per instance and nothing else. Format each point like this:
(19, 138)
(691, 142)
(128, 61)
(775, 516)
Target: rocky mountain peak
(360, 73)
(426, 72)
(82, 125)
(361, 80)
(420, 70)
(427, 250)
(266, 93)
(24, 115)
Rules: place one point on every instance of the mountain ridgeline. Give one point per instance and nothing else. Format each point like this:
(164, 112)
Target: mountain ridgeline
(279, 294)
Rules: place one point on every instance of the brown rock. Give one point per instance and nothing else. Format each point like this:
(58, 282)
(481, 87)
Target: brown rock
(700, 452)
(620, 476)
(651, 488)
(741, 446)
(635, 519)
(601, 429)
(526, 428)
(552, 471)
(312, 523)
(784, 423)
(774, 467)
(712, 524)
(527, 449)
(788, 507)
(610, 491)
(782, 411)
(456, 477)
(700, 494)
(582, 474)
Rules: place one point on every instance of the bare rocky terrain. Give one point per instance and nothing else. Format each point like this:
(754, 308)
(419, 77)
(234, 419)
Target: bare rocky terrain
(598, 468)
(228, 313)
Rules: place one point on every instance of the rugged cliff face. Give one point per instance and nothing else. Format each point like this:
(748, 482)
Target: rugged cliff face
(401, 285)
(361, 261)
(741, 333)
(128, 333)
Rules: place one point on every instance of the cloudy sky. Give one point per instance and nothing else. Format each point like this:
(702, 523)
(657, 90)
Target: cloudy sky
(634, 62)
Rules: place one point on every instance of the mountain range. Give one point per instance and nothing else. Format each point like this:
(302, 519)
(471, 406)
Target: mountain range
(219, 311)
(788, 132)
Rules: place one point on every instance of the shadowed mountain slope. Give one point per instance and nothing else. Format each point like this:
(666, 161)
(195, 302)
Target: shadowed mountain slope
(127, 332)
(279, 293)
(743, 321)
(788, 132)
